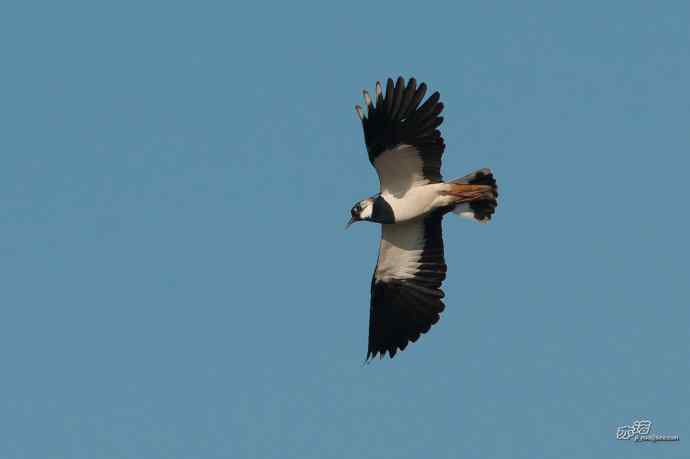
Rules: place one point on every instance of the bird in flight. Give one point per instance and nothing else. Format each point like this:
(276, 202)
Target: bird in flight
(405, 147)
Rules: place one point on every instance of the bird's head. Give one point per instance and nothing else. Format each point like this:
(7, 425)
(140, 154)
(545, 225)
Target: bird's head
(361, 211)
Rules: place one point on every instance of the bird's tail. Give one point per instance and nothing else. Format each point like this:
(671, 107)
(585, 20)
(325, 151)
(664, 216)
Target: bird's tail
(476, 194)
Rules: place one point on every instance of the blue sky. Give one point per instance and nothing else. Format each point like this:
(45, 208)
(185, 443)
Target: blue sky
(176, 281)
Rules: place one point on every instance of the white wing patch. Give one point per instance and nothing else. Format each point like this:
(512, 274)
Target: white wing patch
(401, 248)
(400, 169)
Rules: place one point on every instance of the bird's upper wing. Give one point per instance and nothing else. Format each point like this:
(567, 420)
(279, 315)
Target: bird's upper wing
(401, 136)
(406, 287)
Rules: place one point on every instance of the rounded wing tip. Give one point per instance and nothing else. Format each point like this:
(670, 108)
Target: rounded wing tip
(359, 111)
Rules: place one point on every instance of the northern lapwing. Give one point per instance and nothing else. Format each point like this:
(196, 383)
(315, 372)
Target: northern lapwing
(405, 147)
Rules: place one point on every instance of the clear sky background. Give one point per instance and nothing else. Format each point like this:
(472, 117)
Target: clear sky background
(176, 281)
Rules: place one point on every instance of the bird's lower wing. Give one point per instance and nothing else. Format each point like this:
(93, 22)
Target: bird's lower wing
(406, 288)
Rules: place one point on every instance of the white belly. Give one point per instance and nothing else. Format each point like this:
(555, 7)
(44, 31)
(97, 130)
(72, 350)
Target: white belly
(418, 201)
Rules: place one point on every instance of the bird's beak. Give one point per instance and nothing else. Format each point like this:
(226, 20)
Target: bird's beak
(352, 220)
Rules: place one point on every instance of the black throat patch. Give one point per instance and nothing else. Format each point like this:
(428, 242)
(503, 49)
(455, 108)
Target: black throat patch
(382, 211)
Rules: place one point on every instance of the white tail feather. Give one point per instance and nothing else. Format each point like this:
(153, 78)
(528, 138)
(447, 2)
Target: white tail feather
(463, 211)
